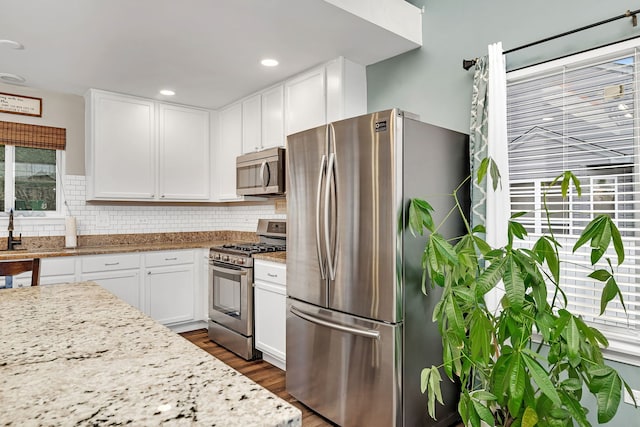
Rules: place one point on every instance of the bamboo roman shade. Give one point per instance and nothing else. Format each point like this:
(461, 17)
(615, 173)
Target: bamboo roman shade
(32, 136)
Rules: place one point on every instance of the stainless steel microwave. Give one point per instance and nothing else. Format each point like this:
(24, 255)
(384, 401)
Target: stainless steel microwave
(261, 173)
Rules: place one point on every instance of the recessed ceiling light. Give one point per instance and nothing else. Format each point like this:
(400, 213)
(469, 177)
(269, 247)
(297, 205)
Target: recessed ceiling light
(547, 119)
(11, 44)
(268, 62)
(12, 78)
(167, 92)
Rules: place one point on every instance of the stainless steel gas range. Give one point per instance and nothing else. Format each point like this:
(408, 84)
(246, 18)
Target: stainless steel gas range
(231, 288)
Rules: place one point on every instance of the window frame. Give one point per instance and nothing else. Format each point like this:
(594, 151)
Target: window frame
(9, 189)
(620, 348)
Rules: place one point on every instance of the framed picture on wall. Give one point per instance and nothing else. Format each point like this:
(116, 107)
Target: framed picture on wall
(20, 104)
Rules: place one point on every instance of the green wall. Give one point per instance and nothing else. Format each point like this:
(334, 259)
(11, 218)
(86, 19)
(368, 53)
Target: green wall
(431, 82)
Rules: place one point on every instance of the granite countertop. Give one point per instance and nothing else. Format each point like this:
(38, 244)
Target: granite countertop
(74, 354)
(45, 247)
(280, 257)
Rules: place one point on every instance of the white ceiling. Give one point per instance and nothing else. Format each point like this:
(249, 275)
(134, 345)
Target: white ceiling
(208, 51)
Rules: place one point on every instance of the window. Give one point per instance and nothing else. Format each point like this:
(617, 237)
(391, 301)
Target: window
(581, 114)
(30, 157)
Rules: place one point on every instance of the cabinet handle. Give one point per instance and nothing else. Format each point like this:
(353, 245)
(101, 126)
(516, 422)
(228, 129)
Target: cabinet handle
(272, 275)
(110, 263)
(149, 273)
(171, 259)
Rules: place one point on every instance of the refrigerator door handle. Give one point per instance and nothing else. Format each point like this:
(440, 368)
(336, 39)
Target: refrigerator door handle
(327, 229)
(362, 332)
(323, 165)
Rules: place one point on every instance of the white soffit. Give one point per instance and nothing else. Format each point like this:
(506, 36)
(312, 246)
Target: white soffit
(396, 16)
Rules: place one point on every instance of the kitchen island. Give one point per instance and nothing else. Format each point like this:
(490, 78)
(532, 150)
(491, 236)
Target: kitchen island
(74, 354)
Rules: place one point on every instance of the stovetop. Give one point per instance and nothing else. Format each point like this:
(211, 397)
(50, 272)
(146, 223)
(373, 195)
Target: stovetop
(272, 234)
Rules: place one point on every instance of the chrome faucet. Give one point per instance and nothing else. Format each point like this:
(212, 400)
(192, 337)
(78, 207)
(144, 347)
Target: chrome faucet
(12, 242)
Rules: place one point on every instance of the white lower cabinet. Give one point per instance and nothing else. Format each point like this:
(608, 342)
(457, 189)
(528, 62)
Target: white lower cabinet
(170, 286)
(166, 285)
(117, 273)
(58, 270)
(270, 303)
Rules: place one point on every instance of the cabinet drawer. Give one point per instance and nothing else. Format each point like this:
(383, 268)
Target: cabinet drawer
(159, 259)
(57, 266)
(270, 272)
(95, 263)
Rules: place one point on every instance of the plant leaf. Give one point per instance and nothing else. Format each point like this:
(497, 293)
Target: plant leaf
(593, 229)
(482, 170)
(573, 342)
(617, 243)
(484, 412)
(495, 174)
(529, 418)
(514, 284)
(572, 405)
(490, 277)
(542, 379)
(609, 292)
(443, 249)
(420, 216)
(600, 275)
(516, 384)
(608, 395)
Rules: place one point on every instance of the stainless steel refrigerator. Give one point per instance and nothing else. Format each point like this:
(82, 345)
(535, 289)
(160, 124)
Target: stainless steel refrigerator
(359, 329)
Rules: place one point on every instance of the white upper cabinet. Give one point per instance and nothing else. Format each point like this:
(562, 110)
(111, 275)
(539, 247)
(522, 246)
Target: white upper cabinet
(227, 148)
(334, 91)
(306, 101)
(252, 124)
(120, 149)
(184, 153)
(273, 117)
(263, 120)
(139, 149)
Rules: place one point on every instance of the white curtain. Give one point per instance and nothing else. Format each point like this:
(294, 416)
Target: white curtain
(498, 209)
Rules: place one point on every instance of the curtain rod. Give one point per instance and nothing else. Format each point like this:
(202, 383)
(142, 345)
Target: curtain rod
(468, 63)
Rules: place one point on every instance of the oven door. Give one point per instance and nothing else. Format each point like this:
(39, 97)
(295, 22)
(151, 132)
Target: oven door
(231, 297)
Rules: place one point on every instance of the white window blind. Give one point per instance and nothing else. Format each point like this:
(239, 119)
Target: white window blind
(584, 118)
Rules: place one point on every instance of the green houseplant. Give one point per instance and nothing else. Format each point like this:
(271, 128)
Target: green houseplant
(529, 363)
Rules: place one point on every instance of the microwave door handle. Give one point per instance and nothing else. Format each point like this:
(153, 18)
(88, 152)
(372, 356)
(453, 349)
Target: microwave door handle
(327, 228)
(323, 164)
(262, 168)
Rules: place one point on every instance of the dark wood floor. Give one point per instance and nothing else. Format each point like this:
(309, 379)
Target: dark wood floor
(265, 374)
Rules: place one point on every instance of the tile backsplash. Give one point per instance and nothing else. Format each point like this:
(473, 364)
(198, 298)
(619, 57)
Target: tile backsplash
(123, 219)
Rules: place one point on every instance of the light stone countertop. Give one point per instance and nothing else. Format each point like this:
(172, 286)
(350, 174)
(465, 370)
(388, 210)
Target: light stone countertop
(74, 354)
(280, 256)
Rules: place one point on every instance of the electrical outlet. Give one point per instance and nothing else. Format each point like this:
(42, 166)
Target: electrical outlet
(629, 400)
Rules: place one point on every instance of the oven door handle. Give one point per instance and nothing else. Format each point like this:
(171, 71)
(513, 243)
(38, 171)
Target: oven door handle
(229, 271)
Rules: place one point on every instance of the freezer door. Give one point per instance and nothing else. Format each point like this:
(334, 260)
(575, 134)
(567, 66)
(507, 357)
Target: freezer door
(306, 259)
(365, 201)
(345, 368)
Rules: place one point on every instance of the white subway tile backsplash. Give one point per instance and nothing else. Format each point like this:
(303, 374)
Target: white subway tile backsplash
(101, 219)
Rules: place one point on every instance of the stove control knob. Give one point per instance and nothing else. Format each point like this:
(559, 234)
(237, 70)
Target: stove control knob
(216, 256)
(240, 261)
(225, 258)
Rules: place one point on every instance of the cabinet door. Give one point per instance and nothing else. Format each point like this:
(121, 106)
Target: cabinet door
(121, 148)
(125, 284)
(184, 153)
(170, 293)
(251, 124)
(305, 101)
(273, 117)
(57, 270)
(270, 321)
(228, 147)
